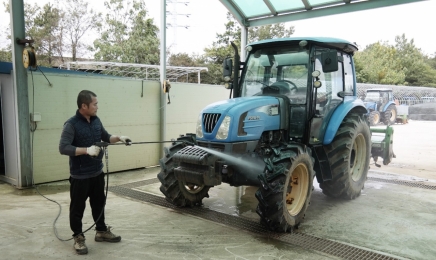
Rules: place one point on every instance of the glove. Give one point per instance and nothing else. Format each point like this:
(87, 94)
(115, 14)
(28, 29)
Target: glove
(93, 150)
(125, 139)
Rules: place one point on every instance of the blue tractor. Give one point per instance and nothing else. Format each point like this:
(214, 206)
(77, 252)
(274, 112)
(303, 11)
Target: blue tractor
(381, 106)
(293, 116)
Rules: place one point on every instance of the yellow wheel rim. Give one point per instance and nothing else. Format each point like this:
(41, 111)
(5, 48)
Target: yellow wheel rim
(193, 188)
(297, 190)
(393, 115)
(376, 118)
(358, 157)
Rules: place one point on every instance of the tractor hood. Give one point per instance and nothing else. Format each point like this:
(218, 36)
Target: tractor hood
(239, 119)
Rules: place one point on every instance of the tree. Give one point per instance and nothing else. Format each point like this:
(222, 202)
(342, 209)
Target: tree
(5, 55)
(432, 61)
(128, 35)
(270, 31)
(48, 34)
(184, 60)
(401, 64)
(418, 72)
(379, 64)
(78, 20)
(221, 48)
(57, 32)
(30, 12)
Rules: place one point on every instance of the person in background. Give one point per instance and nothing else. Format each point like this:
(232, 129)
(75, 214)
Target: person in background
(78, 137)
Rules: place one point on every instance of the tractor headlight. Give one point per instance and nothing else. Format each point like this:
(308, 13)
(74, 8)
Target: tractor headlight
(199, 131)
(223, 131)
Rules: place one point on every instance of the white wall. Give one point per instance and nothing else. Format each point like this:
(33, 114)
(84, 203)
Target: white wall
(187, 100)
(123, 112)
(121, 109)
(10, 130)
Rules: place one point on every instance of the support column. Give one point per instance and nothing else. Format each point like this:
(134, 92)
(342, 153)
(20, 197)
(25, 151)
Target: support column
(163, 75)
(244, 36)
(25, 173)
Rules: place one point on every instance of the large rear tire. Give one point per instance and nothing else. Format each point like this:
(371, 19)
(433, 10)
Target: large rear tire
(390, 115)
(177, 192)
(286, 188)
(348, 155)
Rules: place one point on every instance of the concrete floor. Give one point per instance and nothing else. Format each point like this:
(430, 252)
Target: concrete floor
(390, 219)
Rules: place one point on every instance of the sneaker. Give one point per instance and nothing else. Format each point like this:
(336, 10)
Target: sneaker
(107, 236)
(79, 245)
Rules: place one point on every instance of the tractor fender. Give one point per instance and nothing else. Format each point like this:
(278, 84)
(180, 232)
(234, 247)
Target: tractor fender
(371, 106)
(349, 103)
(387, 105)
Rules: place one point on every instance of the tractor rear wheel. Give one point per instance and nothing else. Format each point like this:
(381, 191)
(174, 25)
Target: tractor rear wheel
(348, 156)
(177, 192)
(286, 188)
(390, 115)
(374, 118)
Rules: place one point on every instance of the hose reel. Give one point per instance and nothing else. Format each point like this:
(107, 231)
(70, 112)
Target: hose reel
(29, 55)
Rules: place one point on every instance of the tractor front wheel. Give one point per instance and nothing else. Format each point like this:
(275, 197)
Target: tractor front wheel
(177, 192)
(286, 188)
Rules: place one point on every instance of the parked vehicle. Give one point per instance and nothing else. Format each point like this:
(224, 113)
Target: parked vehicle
(294, 110)
(381, 106)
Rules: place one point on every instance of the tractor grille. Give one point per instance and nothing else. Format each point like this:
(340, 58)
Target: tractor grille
(209, 121)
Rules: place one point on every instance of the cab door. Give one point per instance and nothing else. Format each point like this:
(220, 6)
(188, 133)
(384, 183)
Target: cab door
(326, 99)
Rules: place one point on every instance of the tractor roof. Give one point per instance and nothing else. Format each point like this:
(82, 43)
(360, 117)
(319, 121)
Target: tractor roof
(324, 41)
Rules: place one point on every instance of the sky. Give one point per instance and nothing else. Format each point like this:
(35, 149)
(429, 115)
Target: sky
(205, 18)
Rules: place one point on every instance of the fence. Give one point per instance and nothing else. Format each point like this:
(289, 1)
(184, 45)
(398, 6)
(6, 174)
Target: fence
(405, 95)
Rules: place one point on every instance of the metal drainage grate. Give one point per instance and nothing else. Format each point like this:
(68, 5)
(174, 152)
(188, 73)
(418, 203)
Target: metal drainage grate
(138, 183)
(405, 183)
(303, 240)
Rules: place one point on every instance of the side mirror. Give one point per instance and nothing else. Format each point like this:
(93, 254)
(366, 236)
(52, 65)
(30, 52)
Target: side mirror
(329, 61)
(227, 69)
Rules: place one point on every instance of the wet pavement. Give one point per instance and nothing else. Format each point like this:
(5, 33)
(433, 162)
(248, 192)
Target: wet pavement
(394, 218)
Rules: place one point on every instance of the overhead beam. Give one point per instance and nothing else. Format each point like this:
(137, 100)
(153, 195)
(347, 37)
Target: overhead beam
(270, 7)
(306, 5)
(337, 9)
(236, 12)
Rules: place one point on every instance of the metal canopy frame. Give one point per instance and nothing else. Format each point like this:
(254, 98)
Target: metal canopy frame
(132, 70)
(252, 13)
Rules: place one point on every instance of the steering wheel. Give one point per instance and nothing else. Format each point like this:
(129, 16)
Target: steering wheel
(290, 82)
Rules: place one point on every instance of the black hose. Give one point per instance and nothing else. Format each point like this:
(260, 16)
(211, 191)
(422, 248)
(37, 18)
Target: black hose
(60, 207)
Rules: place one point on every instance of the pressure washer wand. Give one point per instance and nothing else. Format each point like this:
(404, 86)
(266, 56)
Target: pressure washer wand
(105, 144)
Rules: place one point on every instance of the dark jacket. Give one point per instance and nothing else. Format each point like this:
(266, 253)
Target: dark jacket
(78, 132)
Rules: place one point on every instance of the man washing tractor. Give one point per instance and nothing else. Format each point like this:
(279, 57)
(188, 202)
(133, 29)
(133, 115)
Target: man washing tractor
(79, 135)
